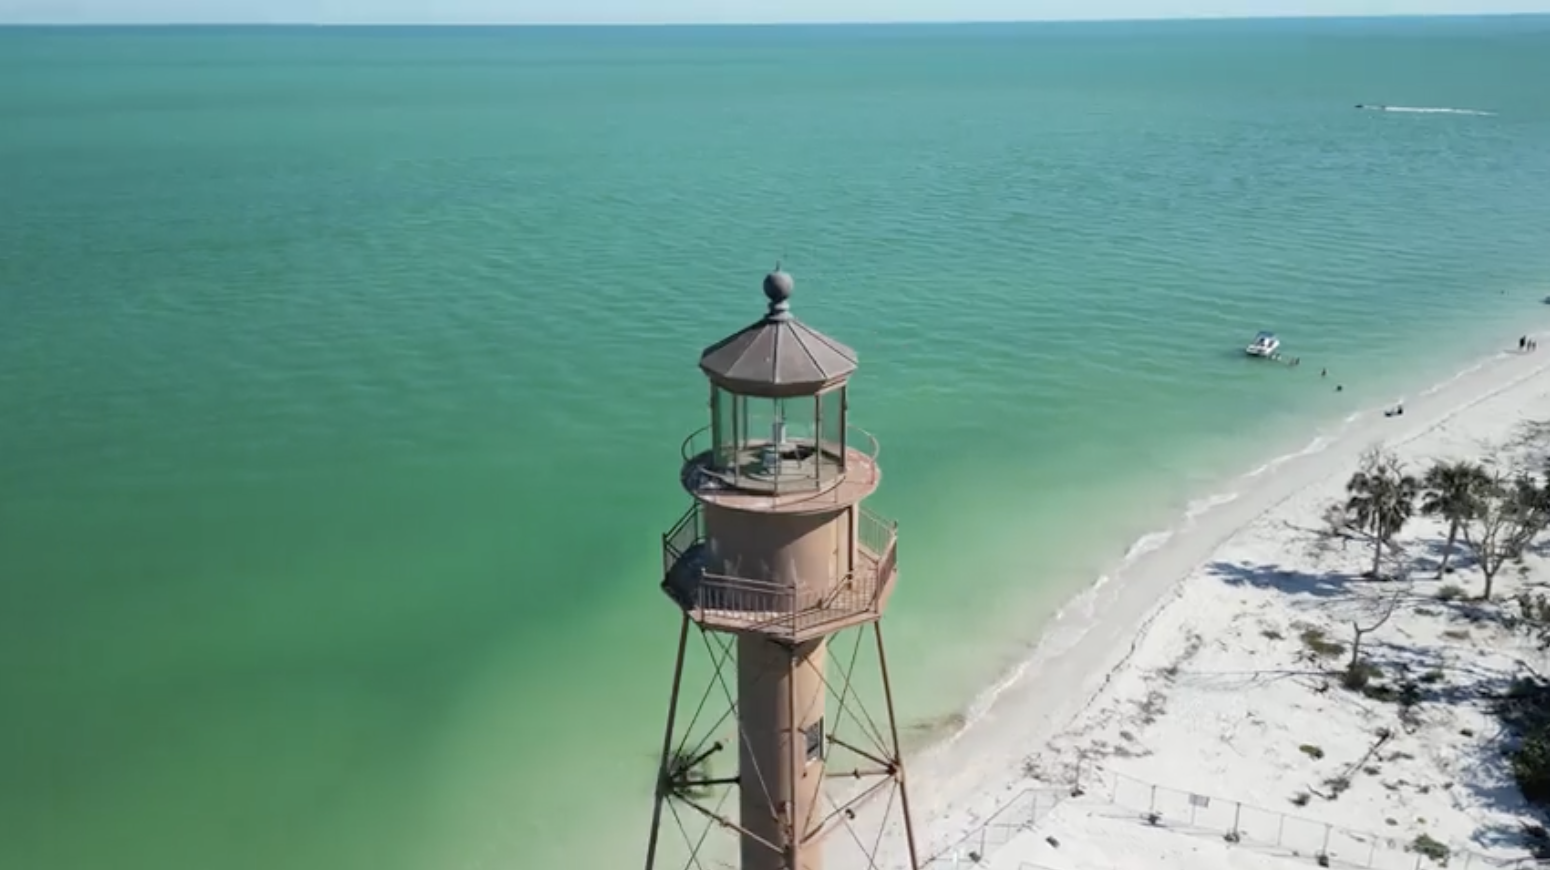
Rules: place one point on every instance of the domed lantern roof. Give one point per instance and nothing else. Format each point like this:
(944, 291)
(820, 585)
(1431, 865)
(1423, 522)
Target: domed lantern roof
(779, 355)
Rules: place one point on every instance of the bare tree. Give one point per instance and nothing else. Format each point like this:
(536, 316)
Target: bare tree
(1378, 613)
(1510, 515)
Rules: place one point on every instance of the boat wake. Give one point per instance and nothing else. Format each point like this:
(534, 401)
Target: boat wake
(1428, 110)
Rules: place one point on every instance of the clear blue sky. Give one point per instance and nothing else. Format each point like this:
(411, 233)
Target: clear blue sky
(709, 11)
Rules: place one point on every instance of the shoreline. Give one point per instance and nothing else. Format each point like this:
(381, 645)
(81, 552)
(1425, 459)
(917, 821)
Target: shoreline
(1215, 475)
(965, 776)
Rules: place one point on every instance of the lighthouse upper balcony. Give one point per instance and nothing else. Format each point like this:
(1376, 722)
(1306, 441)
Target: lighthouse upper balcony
(794, 473)
(721, 600)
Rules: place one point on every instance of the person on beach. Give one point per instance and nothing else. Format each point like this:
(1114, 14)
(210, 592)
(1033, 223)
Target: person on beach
(1523, 344)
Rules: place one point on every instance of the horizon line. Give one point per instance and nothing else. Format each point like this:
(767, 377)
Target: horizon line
(1159, 19)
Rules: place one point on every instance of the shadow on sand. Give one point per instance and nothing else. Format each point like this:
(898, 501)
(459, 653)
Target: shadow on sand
(1329, 584)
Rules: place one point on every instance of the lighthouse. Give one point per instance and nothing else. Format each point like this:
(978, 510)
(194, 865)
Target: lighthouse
(786, 749)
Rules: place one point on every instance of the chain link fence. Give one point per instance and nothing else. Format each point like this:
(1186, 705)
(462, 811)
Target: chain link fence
(1278, 832)
(1191, 814)
(1021, 813)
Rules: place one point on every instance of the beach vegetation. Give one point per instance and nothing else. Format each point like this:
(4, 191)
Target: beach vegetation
(1319, 645)
(1451, 491)
(1511, 513)
(1358, 674)
(1531, 766)
(1406, 694)
(1450, 592)
(1538, 840)
(1426, 846)
(1525, 711)
(1380, 499)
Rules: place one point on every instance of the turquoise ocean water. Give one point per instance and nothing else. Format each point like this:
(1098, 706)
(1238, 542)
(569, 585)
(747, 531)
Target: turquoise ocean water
(343, 372)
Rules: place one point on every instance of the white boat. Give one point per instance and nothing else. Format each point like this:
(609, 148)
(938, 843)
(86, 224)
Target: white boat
(1264, 344)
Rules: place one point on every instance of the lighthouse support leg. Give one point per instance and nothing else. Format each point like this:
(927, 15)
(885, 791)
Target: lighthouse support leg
(898, 755)
(667, 744)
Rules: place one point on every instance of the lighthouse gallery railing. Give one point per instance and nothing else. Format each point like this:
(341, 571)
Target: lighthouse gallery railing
(747, 604)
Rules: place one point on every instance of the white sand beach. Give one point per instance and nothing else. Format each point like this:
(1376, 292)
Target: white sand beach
(1187, 669)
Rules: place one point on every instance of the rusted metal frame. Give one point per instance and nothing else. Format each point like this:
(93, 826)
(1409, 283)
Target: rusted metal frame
(893, 727)
(840, 697)
(670, 539)
(683, 831)
(887, 765)
(794, 838)
(851, 830)
(719, 662)
(739, 436)
(818, 439)
(725, 822)
(843, 585)
(857, 773)
(844, 427)
(715, 425)
(839, 812)
(706, 783)
(667, 743)
(742, 735)
(852, 700)
(699, 842)
(882, 828)
(819, 702)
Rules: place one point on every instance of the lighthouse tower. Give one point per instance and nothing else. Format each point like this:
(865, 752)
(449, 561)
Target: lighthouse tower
(775, 561)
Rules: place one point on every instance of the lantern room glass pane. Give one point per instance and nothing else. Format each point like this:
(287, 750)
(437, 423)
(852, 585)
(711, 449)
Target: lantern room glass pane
(777, 445)
(723, 428)
(831, 416)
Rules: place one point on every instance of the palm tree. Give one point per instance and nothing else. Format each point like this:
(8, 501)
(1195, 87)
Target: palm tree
(1452, 491)
(1380, 500)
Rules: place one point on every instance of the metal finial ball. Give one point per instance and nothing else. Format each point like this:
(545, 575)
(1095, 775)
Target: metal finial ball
(778, 286)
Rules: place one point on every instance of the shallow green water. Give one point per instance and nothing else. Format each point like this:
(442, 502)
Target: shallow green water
(343, 373)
